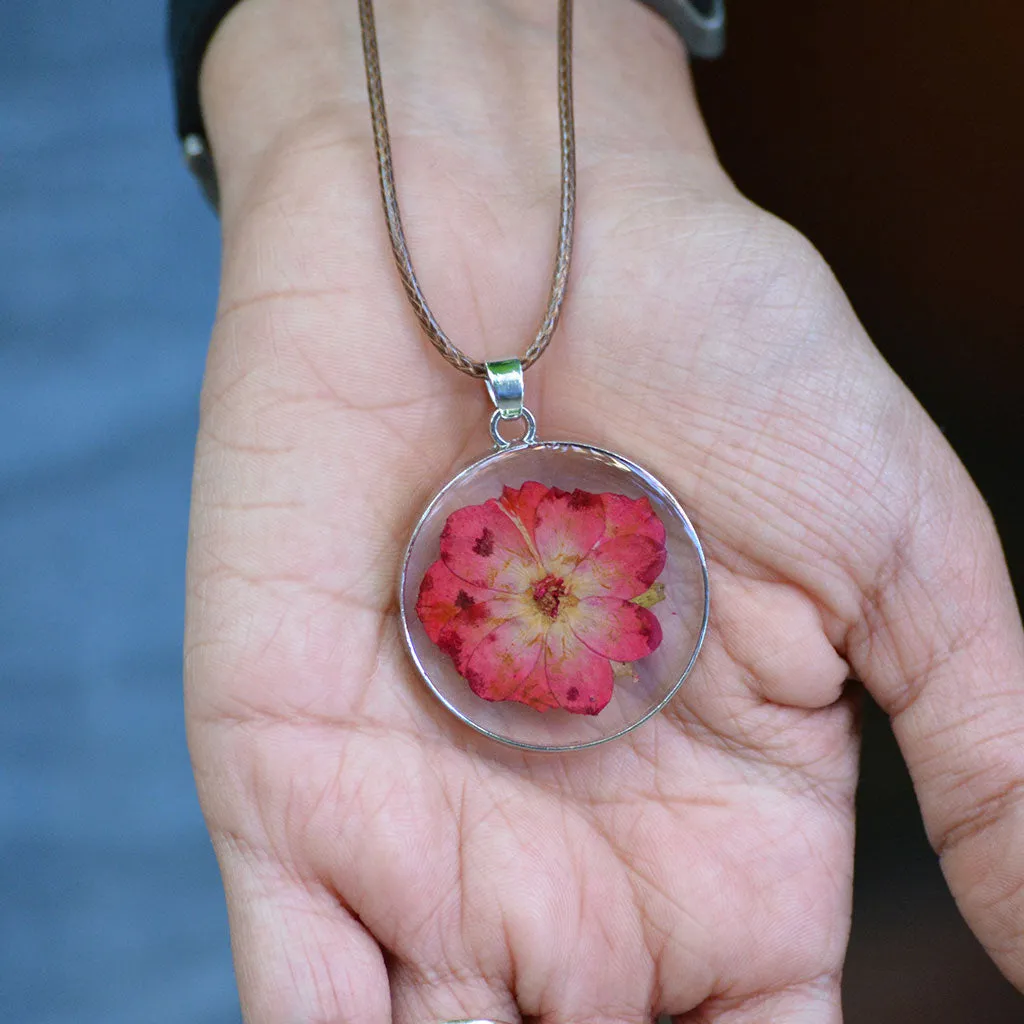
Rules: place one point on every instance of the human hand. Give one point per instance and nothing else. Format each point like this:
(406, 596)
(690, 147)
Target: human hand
(377, 857)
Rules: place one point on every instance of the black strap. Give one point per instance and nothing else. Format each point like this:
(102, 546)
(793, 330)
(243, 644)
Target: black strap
(191, 24)
(701, 23)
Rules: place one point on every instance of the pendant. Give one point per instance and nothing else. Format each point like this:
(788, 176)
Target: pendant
(554, 595)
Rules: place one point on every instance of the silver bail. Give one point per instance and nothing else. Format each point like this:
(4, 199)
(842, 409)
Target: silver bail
(505, 386)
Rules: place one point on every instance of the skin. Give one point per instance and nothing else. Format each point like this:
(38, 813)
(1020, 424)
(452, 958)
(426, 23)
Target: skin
(379, 859)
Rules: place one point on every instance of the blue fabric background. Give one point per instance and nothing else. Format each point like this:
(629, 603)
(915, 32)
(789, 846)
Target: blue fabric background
(110, 903)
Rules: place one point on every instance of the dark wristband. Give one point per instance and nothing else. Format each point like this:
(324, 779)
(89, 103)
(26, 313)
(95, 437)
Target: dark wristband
(191, 24)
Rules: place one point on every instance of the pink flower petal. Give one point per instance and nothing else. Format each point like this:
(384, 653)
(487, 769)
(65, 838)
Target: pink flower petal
(535, 691)
(523, 503)
(567, 526)
(529, 596)
(484, 547)
(631, 516)
(615, 629)
(460, 637)
(622, 567)
(442, 596)
(503, 659)
(580, 680)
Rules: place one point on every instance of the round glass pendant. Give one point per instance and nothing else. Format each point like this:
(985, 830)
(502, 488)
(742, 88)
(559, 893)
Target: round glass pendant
(554, 595)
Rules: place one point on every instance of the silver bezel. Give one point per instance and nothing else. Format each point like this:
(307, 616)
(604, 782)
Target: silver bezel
(576, 446)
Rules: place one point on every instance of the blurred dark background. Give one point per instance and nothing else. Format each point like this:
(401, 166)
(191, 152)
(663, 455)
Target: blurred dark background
(887, 132)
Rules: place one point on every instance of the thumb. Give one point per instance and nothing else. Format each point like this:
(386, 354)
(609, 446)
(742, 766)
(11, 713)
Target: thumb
(940, 648)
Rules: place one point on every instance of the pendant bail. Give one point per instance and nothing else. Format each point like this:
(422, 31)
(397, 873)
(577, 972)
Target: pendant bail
(505, 386)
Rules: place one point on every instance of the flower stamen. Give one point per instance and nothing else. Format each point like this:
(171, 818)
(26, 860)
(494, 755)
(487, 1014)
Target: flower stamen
(548, 594)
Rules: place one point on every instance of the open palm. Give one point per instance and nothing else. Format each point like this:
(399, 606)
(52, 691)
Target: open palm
(380, 858)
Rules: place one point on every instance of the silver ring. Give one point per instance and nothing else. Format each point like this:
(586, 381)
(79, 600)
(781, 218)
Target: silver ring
(529, 435)
(487, 1021)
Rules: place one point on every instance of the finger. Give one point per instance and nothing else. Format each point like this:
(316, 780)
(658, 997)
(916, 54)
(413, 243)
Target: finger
(299, 955)
(769, 686)
(816, 1002)
(419, 997)
(941, 649)
(773, 637)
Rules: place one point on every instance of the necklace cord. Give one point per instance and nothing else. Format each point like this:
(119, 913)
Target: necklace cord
(392, 214)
